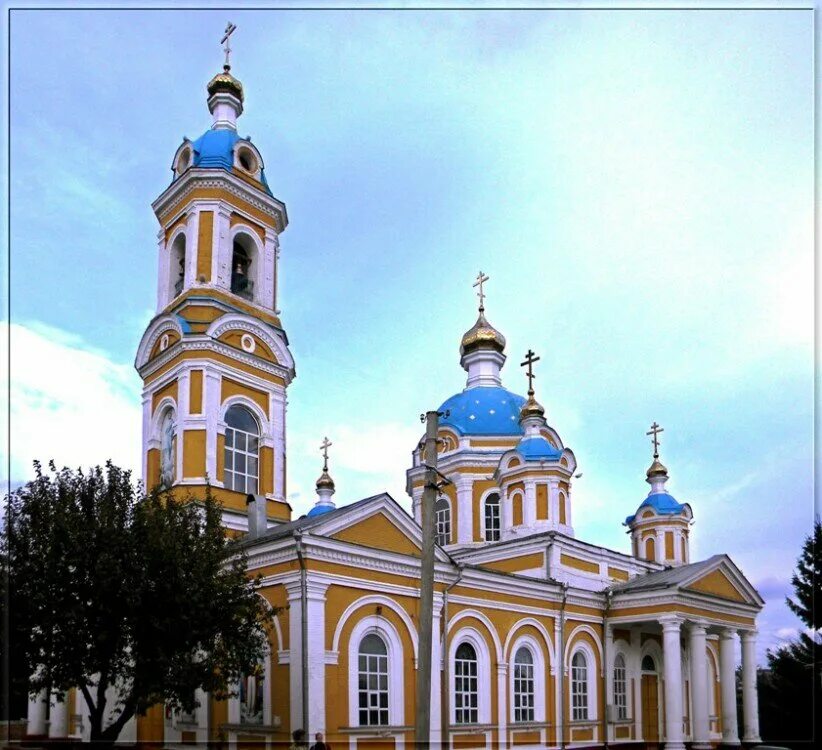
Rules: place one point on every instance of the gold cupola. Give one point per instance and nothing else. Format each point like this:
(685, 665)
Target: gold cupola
(225, 83)
(482, 335)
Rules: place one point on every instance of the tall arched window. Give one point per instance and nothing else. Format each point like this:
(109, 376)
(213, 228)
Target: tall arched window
(178, 264)
(373, 681)
(168, 449)
(650, 548)
(648, 663)
(579, 687)
(465, 685)
(523, 685)
(252, 691)
(492, 518)
(242, 450)
(443, 520)
(241, 279)
(620, 688)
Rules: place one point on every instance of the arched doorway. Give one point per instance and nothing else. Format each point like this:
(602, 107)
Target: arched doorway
(650, 700)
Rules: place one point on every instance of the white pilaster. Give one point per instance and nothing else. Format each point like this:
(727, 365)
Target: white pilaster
(192, 233)
(557, 672)
(164, 290)
(465, 533)
(502, 693)
(672, 656)
(609, 677)
(750, 699)
(730, 732)
(315, 614)
(553, 501)
(278, 406)
(636, 661)
(221, 247)
(295, 640)
(697, 652)
(436, 666)
(36, 714)
(212, 386)
(529, 510)
(266, 294)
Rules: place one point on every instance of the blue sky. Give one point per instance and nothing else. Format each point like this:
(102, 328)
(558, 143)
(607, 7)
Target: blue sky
(638, 185)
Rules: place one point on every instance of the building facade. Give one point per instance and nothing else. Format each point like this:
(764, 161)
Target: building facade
(541, 639)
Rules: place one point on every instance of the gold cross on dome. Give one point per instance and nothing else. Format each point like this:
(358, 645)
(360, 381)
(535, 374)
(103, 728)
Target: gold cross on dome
(481, 279)
(229, 30)
(655, 430)
(326, 444)
(530, 358)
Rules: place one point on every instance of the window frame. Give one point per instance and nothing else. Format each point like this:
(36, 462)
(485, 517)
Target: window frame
(380, 672)
(442, 526)
(461, 664)
(580, 698)
(620, 686)
(485, 507)
(231, 451)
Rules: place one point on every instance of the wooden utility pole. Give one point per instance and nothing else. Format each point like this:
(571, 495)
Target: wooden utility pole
(422, 723)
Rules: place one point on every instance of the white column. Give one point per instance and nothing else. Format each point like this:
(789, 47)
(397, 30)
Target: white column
(465, 532)
(507, 511)
(436, 667)
(609, 678)
(221, 246)
(295, 640)
(557, 671)
(750, 700)
(212, 396)
(697, 650)
(553, 500)
(636, 661)
(529, 510)
(278, 404)
(37, 714)
(315, 615)
(727, 659)
(502, 705)
(163, 280)
(58, 716)
(265, 296)
(672, 656)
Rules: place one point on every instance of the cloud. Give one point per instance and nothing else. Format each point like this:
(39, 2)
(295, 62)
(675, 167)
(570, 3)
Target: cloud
(69, 402)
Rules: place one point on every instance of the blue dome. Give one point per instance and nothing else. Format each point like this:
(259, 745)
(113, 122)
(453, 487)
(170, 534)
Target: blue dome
(663, 503)
(484, 410)
(214, 149)
(536, 448)
(318, 510)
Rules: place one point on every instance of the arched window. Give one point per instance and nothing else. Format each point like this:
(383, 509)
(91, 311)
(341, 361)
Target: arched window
(516, 502)
(252, 690)
(650, 548)
(178, 264)
(523, 685)
(242, 450)
(648, 663)
(620, 687)
(563, 514)
(579, 687)
(443, 520)
(168, 450)
(242, 282)
(373, 681)
(465, 685)
(492, 518)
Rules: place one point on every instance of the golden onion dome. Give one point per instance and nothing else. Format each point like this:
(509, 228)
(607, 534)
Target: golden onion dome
(325, 481)
(225, 82)
(656, 469)
(482, 335)
(531, 408)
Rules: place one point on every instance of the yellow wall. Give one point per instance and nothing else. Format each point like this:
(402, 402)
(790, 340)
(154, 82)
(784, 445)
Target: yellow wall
(377, 531)
(195, 399)
(575, 562)
(204, 244)
(194, 453)
(233, 388)
(169, 390)
(542, 502)
(718, 584)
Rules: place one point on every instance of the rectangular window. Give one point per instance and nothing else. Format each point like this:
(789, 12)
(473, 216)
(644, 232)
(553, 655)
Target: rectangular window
(466, 691)
(579, 693)
(241, 469)
(523, 692)
(620, 689)
(443, 526)
(492, 521)
(373, 690)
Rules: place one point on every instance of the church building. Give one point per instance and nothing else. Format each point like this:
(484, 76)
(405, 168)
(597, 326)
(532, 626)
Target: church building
(541, 639)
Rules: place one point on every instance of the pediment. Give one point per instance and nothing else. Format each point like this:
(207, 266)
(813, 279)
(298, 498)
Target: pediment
(724, 580)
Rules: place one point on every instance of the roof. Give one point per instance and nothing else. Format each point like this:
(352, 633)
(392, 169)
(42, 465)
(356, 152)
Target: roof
(214, 149)
(663, 579)
(663, 503)
(483, 410)
(319, 510)
(536, 448)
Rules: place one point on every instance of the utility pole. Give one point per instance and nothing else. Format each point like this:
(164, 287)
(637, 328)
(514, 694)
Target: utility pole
(422, 723)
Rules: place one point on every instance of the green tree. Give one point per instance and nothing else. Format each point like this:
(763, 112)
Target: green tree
(789, 694)
(116, 588)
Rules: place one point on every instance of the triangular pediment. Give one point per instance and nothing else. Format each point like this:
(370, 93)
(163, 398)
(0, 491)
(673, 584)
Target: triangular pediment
(379, 523)
(723, 580)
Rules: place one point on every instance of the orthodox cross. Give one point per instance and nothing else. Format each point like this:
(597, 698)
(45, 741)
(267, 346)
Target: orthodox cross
(529, 361)
(481, 279)
(326, 444)
(655, 430)
(229, 30)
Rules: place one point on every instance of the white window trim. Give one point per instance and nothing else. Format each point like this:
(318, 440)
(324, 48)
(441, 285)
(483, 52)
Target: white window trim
(475, 638)
(591, 670)
(481, 510)
(386, 630)
(450, 535)
(538, 656)
(234, 700)
(627, 682)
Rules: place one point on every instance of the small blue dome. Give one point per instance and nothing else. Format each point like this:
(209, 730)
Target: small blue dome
(537, 448)
(318, 510)
(214, 149)
(663, 503)
(483, 410)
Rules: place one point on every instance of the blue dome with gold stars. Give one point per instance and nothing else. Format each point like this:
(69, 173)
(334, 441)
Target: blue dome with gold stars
(483, 410)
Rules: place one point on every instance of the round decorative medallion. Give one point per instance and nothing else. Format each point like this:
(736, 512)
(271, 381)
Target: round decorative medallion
(248, 343)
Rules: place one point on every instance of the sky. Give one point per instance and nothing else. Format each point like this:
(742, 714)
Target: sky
(638, 186)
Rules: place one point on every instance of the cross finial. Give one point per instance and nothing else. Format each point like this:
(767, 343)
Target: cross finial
(529, 362)
(481, 279)
(326, 444)
(229, 30)
(655, 430)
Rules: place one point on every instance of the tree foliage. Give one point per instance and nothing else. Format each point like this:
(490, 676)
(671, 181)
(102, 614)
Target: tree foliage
(116, 588)
(807, 581)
